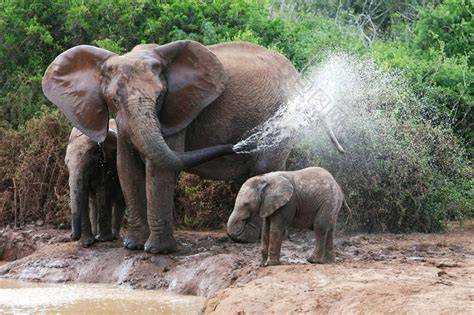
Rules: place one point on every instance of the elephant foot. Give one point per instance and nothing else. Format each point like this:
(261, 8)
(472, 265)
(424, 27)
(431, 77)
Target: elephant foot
(273, 262)
(87, 241)
(131, 243)
(115, 235)
(104, 237)
(320, 260)
(161, 246)
(74, 237)
(135, 239)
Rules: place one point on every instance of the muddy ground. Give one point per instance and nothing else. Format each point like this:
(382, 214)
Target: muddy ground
(383, 273)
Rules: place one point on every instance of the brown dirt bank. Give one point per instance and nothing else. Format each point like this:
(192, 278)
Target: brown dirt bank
(375, 274)
(205, 263)
(384, 273)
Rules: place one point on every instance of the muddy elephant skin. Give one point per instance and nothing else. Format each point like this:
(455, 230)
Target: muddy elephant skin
(96, 199)
(307, 198)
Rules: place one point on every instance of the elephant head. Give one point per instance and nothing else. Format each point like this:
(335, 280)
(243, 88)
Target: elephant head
(153, 91)
(260, 196)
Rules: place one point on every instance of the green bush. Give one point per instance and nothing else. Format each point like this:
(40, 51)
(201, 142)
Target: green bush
(398, 176)
(24, 102)
(436, 56)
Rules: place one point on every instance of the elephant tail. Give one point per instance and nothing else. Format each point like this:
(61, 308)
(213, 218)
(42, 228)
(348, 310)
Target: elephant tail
(344, 201)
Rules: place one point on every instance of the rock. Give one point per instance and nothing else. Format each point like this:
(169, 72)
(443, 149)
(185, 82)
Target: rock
(447, 264)
(442, 273)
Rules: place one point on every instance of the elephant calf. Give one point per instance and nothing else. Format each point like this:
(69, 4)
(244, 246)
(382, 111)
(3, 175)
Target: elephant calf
(96, 199)
(308, 198)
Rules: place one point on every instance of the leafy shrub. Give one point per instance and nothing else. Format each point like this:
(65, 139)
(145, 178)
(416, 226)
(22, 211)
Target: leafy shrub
(436, 56)
(204, 204)
(34, 185)
(22, 103)
(399, 175)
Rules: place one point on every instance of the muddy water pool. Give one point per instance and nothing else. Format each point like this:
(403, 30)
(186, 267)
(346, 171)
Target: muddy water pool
(17, 297)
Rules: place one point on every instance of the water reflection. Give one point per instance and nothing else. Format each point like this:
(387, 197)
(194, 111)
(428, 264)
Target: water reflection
(25, 297)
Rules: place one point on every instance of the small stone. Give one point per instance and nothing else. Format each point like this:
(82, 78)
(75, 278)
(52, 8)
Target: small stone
(447, 264)
(442, 273)
(39, 223)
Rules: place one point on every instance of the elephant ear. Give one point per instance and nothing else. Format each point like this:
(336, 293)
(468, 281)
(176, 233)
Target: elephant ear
(195, 79)
(72, 82)
(275, 195)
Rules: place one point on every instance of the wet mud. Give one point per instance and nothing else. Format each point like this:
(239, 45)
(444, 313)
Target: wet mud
(373, 273)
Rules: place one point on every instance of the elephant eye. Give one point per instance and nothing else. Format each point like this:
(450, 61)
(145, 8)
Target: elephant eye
(156, 67)
(107, 70)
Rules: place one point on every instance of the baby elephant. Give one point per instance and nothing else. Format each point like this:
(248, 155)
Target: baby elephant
(308, 198)
(96, 199)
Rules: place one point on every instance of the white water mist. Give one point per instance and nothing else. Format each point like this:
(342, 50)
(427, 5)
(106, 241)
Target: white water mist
(332, 91)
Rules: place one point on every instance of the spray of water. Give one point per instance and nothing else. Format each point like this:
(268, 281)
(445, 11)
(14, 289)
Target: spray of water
(330, 92)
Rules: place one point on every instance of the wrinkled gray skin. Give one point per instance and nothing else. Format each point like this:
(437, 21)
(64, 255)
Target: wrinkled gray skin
(96, 200)
(308, 198)
(178, 106)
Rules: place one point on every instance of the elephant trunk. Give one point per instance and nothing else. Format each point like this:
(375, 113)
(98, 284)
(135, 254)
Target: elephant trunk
(196, 157)
(78, 205)
(243, 230)
(148, 138)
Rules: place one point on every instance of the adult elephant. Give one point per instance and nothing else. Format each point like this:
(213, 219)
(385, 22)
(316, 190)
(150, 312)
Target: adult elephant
(176, 106)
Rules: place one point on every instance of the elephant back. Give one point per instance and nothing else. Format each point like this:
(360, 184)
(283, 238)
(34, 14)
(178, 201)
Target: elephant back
(259, 82)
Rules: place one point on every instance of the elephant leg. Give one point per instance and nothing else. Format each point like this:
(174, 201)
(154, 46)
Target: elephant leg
(87, 237)
(319, 244)
(132, 180)
(329, 255)
(265, 240)
(118, 212)
(323, 232)
(160, 187)
(93, 214)
(104, 205)
(160, 202)
(278, 224)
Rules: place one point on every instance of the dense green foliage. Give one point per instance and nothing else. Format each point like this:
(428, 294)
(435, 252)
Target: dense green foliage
(436, 56)
(430, 42)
